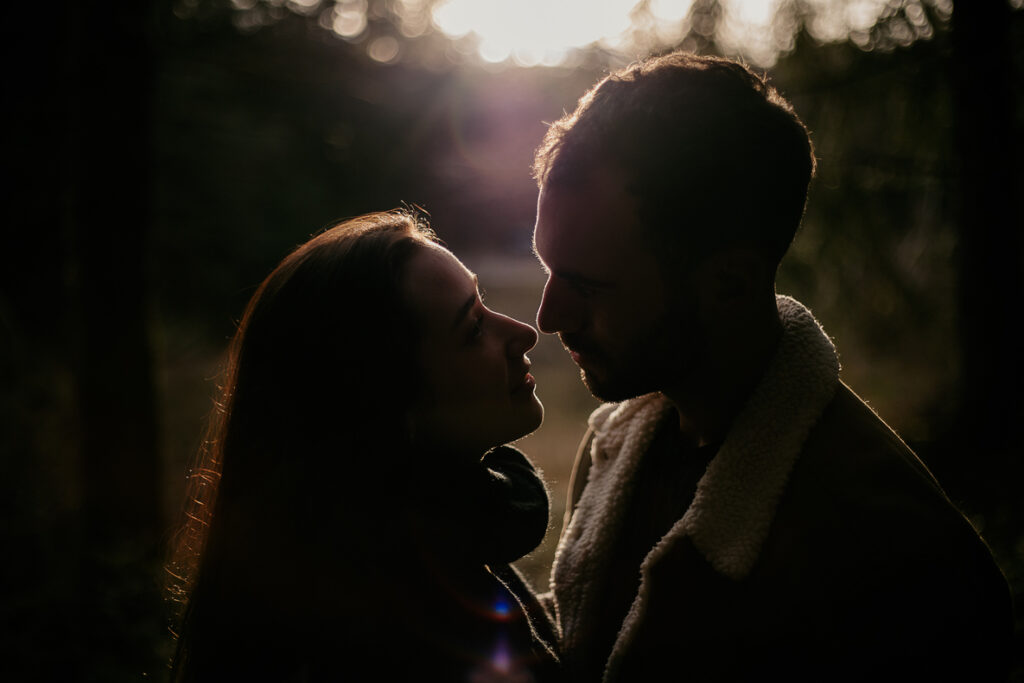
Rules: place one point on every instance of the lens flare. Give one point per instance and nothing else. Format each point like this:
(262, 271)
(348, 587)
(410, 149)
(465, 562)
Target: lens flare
(502, 607)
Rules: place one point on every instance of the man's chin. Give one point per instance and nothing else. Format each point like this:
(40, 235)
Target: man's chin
(607, 389)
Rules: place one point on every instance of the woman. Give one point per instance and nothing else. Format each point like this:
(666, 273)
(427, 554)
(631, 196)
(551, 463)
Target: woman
(353, 512)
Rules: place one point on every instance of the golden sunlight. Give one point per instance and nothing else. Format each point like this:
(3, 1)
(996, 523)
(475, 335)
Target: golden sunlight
(532, 32)
(547, 32)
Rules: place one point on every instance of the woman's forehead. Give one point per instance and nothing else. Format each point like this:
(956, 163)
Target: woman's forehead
(438, 285)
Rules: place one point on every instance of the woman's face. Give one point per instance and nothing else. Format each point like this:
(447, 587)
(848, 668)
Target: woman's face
(477, 392)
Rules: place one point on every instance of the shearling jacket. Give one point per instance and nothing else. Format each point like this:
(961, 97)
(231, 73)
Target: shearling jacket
(817, 546)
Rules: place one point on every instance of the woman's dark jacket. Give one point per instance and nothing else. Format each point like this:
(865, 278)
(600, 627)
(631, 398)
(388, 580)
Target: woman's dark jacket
(467, 614)
(418, 587)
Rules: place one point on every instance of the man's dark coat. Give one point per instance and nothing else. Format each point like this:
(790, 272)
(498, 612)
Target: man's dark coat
(817, 547)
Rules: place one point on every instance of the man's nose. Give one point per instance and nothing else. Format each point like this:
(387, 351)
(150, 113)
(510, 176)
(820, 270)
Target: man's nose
(559, 310)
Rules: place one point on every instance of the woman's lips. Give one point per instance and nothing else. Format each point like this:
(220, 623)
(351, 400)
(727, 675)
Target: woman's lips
(528, 383)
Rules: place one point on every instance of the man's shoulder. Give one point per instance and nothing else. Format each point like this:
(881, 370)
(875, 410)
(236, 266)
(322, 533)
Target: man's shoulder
(857, 477)
(852, 445)
(873, 533)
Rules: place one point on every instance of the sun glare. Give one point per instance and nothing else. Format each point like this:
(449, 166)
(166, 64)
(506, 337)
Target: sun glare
(557, 32)
(532, 32)
(547, 32)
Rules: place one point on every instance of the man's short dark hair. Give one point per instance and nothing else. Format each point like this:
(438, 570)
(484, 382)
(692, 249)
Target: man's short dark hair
(713, 154)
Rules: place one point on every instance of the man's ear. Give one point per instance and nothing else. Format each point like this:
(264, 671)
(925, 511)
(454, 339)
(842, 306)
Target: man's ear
(734, 276)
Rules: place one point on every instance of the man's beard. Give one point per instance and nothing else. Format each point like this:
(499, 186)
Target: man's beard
(657, 361)
(620, 384)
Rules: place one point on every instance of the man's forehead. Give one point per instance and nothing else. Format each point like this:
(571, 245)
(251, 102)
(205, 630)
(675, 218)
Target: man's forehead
(596, 212)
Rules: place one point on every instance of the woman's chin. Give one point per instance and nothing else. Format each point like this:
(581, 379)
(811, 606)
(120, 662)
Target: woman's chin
(540, 415)
(536, 419)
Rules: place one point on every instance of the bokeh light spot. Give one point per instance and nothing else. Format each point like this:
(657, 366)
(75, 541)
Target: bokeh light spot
(349, 19)
(303, 6)
(384, 49)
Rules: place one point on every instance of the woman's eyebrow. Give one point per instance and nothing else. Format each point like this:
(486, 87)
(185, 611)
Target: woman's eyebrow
(465, 308)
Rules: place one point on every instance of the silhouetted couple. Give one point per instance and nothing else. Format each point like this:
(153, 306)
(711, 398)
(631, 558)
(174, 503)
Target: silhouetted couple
(736, 513)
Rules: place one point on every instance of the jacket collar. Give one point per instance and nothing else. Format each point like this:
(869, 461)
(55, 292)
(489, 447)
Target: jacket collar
(736, 498)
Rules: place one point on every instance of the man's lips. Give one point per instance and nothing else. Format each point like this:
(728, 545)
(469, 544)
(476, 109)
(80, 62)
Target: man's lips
(579, 352)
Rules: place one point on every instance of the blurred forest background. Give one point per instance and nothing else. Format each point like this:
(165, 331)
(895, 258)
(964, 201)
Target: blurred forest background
(163, 156)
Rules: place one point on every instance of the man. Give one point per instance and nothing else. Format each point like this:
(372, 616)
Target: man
(738, 512)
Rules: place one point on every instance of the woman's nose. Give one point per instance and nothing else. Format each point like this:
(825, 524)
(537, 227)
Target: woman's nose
(522, 338)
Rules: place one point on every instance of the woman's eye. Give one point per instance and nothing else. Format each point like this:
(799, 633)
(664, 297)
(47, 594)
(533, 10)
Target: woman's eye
(478, 328)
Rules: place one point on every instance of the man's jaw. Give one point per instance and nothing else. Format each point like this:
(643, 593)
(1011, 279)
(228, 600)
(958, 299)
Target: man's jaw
(577, 346)
(588, 359)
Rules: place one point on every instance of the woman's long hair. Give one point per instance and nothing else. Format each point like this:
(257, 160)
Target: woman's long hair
(302, 449)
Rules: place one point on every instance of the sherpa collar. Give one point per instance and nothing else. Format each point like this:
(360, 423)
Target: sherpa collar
(736, 498)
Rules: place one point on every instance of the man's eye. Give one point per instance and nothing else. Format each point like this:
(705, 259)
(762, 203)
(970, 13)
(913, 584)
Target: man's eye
(583, 290)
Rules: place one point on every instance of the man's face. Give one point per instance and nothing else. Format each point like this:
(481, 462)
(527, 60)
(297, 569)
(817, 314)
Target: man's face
(625, 323)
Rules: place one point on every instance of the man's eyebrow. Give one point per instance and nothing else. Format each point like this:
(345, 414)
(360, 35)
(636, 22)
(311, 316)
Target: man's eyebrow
(568, 276)
(468, 304)
(577, 279)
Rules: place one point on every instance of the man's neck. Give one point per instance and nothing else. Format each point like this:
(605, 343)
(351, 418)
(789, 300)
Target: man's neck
(708, 406)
